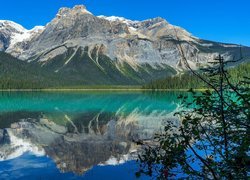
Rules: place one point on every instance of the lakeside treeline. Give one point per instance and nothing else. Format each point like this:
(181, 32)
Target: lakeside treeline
(188, 80)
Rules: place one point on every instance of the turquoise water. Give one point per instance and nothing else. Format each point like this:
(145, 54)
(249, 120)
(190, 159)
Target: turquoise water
(78, 135)
(86, 101)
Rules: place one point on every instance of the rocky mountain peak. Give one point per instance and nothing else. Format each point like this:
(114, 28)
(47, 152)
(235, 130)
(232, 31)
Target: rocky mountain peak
(76, 10)
(76, 34)
(62, 11)
(80, 8)
(155, 20)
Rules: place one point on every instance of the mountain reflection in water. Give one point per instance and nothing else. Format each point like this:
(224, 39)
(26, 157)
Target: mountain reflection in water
(79, 131)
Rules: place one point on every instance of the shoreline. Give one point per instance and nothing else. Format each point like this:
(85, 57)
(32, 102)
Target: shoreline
(94, 89)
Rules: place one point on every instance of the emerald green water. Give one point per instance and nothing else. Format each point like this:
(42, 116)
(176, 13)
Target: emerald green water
(86, 101)
(78, 131)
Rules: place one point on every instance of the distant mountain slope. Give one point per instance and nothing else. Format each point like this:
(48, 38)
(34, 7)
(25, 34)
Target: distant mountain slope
(81, 48)
(17, 74)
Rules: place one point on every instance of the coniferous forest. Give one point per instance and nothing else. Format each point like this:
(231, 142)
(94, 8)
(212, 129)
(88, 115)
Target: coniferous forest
(188, 80)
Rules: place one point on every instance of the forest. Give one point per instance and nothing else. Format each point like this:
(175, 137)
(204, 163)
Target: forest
(188, 80)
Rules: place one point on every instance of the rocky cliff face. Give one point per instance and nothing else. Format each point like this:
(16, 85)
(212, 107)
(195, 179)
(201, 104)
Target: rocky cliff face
(128, 47)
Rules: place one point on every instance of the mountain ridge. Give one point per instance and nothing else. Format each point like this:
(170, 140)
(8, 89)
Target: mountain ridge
(118, 49)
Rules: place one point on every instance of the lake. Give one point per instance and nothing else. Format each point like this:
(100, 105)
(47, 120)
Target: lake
(78, 135)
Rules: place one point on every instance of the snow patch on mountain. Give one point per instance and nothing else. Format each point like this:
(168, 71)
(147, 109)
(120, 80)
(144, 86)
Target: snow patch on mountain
(11, 24)
(132, 24)
(25, 35)
(16, 33)
(117, 18)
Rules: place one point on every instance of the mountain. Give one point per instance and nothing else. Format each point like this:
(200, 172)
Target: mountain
(92, 49)
(12, 33)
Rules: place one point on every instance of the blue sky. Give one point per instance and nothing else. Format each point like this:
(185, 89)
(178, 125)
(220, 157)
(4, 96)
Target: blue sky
(218, 20)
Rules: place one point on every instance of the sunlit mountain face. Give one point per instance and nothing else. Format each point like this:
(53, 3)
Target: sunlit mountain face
(80, 131)
(86, 49)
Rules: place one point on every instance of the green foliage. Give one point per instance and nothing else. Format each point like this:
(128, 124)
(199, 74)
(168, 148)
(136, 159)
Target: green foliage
(180, 81)
(188, 80)
(16, 74)
(212, 138)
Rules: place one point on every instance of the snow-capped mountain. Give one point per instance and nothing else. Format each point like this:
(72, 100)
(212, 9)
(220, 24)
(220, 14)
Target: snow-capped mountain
(114, 48)
(13, 33)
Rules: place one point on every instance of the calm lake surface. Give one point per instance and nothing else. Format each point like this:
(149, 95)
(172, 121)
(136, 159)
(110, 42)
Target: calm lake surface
(78, 135)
